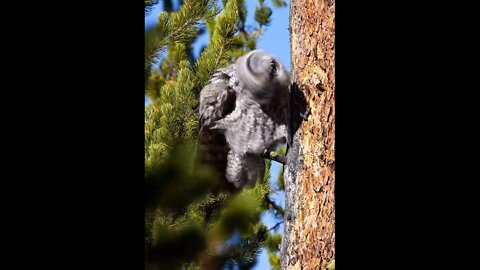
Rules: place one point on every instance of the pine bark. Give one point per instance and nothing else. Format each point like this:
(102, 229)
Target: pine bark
(309, 236)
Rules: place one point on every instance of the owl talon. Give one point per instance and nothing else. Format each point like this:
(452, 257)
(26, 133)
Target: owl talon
(306, 114)
(275, 157)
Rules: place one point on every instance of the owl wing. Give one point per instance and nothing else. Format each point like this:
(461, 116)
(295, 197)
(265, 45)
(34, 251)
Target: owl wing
(217, 100)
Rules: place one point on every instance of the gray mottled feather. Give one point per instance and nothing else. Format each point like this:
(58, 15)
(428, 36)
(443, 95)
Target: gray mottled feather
(217, 100)
(243, 113)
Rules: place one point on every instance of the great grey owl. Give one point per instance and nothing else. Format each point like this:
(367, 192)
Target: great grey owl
(243, 114)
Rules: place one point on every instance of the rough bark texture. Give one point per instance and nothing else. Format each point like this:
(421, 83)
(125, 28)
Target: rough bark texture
(309, 237)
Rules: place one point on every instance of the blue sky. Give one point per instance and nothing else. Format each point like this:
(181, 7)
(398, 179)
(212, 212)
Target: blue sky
(276, 41)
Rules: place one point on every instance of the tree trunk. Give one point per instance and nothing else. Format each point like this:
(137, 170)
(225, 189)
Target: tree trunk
(309, 237)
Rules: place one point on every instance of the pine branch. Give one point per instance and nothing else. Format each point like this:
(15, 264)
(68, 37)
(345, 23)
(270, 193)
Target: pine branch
(272, 204)
(220, 55)
(276, 226)
(279, 3)
(178, 27)
(244, 253)
(218, 51)
(149, 4)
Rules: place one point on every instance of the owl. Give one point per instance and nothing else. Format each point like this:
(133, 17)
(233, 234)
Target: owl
(244, 114)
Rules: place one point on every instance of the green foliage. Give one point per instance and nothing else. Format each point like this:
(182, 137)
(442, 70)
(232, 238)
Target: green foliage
(183, 25)
(218, 52)
(172, 246)
(280, 181)
(243, 210)
(272, 244)
(172, 122)
(175, 27)
(331, 265)
(149, 4)
(278, 187)
(243, 255)
(175, 182)
(155, 84)
(279, 3)
(268, 165)
(168, 70)
(274, 260)
(262, 15)
(206, 224)
(187, 225)
(273, 241)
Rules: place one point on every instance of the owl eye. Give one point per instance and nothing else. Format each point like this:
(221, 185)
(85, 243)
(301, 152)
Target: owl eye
(273, 71)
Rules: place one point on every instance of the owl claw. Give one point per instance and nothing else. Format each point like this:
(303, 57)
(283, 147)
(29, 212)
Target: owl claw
(306, 114)
(275, 157)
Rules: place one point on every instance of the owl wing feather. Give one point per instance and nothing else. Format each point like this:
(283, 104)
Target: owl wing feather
(217, 100)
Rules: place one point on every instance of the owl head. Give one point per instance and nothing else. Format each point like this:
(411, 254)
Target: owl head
(263, 75)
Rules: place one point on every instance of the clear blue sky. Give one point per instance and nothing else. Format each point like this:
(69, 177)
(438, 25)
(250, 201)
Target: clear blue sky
(276, 41)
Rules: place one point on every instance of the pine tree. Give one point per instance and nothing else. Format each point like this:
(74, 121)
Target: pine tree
(186, 225)
(309, 238)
